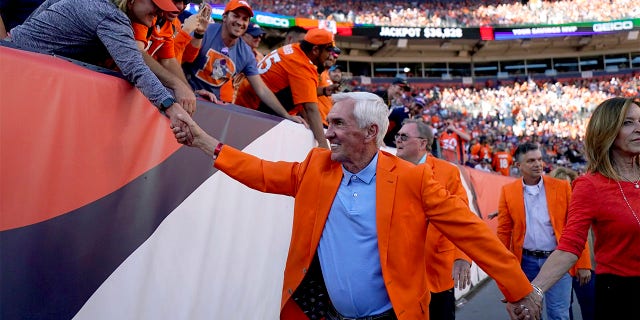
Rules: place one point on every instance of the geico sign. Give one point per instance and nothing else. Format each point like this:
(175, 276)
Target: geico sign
(274, 21)
(613, 26)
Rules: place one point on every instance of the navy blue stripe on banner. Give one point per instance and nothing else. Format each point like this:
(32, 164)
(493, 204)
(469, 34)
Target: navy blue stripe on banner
(50, 269)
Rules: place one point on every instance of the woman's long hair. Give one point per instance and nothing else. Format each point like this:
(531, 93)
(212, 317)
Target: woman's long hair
(602, 130)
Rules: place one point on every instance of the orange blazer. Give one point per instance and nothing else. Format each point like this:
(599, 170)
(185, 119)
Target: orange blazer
(512, 219)
(407, 195)
(440, 253)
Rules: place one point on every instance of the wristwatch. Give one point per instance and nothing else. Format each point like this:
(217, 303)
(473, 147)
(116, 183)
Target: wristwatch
(168, 102)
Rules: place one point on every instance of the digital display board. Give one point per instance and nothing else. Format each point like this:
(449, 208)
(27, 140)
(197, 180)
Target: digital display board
(576, 29)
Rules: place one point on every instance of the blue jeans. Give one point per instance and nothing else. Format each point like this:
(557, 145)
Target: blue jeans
(586, 297)
(558, 298)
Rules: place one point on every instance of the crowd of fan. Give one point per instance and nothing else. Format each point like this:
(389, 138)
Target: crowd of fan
(553, 114)
(456, 13)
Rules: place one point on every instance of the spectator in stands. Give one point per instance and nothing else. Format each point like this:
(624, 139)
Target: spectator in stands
(384, 239)
(330, 82)
(574, 155)
(452, 143)
(395, 93)
(224, 54)
(502, 160)
(412, 110)
(612, 148)
(189, 35)
(156, 43)
(531, 217)
(447, 266)
(289, 75)
(294, 35)
(253, 36)
(99, 32)
(484, 165)
(455, 13)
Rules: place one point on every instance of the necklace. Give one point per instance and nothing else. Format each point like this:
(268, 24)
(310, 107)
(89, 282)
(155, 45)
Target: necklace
(635, 184)
(628, 205)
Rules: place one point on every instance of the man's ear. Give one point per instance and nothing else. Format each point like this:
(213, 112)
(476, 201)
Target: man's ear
(372, 131)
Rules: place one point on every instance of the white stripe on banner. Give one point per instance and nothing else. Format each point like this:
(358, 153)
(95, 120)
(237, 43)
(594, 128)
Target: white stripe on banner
(219, 255)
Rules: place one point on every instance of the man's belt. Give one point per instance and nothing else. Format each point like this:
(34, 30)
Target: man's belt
(537, 253)
(387, 315)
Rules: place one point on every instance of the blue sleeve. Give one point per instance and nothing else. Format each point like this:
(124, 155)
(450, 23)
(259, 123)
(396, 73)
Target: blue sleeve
(250, 67)
(117, 37)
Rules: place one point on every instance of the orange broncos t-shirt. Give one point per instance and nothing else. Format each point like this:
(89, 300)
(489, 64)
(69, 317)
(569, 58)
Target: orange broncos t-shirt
(289, 74)
(158, 40)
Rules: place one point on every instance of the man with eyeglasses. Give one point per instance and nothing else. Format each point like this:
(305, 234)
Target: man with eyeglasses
(447, 266)
(253, 36)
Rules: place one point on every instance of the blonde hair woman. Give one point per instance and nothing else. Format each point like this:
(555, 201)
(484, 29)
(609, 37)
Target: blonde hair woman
(607, 199)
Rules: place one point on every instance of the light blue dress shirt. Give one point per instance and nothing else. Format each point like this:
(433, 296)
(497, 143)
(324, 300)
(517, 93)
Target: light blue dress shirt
(348, 249)
(539, 233)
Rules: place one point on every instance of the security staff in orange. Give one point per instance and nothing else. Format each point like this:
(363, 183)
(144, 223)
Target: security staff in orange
(531, 216)
(360, 220)
(447, 266)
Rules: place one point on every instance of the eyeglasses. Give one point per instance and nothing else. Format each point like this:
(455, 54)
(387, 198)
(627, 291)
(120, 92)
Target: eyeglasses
(404, 137)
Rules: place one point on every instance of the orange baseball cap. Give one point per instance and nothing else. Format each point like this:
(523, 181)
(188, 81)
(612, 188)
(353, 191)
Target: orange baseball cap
(319, 37)
(233, 5)
(166, 5)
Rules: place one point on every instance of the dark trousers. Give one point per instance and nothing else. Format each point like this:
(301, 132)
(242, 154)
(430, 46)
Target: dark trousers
(442, 305)
(586, 295)
(616, 297)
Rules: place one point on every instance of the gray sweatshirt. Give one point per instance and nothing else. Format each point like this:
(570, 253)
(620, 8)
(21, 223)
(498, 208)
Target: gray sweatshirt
(90, 31)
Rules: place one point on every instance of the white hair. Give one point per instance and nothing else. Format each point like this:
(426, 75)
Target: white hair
(368, 109)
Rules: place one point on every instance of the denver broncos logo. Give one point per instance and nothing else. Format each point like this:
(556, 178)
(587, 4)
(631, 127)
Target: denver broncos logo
(217, 70)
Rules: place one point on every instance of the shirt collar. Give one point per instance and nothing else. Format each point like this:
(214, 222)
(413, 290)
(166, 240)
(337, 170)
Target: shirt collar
(366, 174)
(533, 189)
(423, 159)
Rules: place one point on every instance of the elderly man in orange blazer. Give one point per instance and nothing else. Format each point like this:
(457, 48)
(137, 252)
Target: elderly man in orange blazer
(360, 220)
(531, 216)
(447, 266)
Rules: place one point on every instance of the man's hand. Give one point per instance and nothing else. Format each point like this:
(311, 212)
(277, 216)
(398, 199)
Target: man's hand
(584, 276)
(185, 96)
(188, 132)
(204, 17)
(461, 274)
(298, 119)
(177, 115)
(333, 88)
(198, 22)
(209, 96)
(528, 307)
